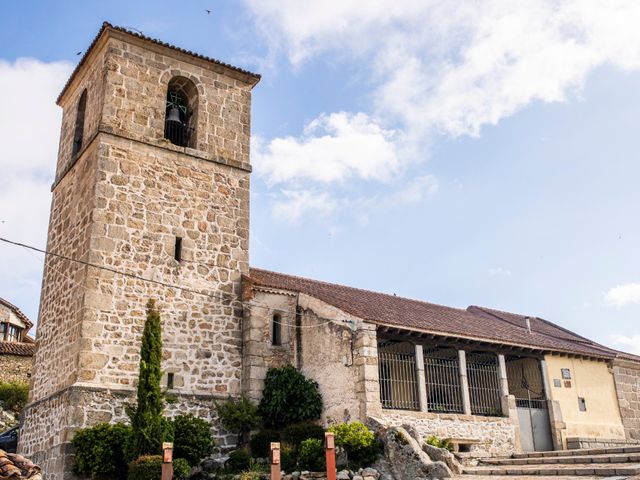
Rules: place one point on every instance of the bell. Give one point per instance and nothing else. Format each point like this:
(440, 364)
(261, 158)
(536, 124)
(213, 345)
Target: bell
(174, 115)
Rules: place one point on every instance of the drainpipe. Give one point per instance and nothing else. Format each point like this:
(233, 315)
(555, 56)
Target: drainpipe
(298, 334)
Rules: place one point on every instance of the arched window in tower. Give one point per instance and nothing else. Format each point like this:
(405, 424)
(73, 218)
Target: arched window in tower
(181, 112)
(78, 132)
(276, 330)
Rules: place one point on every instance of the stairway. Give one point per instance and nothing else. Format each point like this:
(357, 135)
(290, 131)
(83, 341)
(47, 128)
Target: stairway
(619, 462)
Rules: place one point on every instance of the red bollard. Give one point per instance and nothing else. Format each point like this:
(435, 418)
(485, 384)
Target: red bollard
(167, 461)
(275, 461)
(330, 453)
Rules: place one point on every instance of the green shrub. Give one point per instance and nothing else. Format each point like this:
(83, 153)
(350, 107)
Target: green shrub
(311, 455)
(260, 442)
(147, 467)
(99, 451)
(192, 439)
(181, 469)
(436, 442)
(288, 458)
(239, 460)
(296, 433)
(238, 416)
(13, 395)
(289, 397)
(359, 443)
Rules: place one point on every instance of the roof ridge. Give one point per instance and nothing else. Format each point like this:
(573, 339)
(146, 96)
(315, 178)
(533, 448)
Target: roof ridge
(17, 311)
(106, 25)
(332, 284)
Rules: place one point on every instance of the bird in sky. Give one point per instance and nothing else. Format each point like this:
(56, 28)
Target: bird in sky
(78, 53)
(208, 12)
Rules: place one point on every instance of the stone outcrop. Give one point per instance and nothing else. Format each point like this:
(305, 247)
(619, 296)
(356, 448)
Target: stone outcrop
(405, 458)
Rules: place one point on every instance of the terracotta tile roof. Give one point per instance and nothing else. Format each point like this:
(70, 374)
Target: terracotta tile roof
(474, 323)
(107, 26)
(17, 467)
(17, 312)
(22, 349)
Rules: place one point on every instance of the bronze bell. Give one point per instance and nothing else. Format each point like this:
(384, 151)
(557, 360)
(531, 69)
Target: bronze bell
(174, 115)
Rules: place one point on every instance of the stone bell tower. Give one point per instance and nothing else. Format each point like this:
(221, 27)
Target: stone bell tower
(152, 187)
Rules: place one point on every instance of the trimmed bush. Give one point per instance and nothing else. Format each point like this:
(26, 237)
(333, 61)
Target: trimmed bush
(147, 467)
(181, 469)
(296, 433)
(289, 397)
(99, 451)
(359, 443)
(13, 395)
(238, 416)
(239, 460)
(260, 442)
(192, 439)
(311, 455)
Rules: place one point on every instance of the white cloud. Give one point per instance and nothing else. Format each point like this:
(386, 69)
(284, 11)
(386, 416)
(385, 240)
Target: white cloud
(333, 148)
(622, 295)
(294, 205)
(630, 343)
(30, 126)
(416, 190)
(453, 67)
(499, 272)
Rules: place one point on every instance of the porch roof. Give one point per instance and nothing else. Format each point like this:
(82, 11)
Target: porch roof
(475, 323)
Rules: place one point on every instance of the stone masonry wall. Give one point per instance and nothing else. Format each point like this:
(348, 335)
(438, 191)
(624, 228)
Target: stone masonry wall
(15, 368)
(496, 435)
(63, 286)
(60, 416)
(626, 375)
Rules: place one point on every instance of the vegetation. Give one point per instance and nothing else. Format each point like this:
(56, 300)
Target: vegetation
(289, 397)
(150, 428)
(192, 439)
(99, 451)
(239, 460)
(436, 442)
(181, 469)
(13, 395)
(296, 433)
(238, 416)
(359, 443)
(311, 455)
(260, 443)
(146, 467)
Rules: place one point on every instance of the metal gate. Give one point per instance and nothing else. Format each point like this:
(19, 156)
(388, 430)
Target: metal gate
(535, 431)
(526, 383)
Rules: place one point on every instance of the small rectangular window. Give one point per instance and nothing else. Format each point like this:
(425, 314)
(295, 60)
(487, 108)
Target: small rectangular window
(169, 380)
(276, 330)
(582, 404)
(177, 253)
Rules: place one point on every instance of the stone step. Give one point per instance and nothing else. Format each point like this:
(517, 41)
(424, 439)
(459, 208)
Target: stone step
(580, 451)
(564, 460)
(578, 470)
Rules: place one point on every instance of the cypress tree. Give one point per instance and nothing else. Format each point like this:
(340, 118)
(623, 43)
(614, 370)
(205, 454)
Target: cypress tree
(149, 426)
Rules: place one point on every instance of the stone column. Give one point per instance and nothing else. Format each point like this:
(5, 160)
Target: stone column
(545, 379)
(502, 372)
(422, 383)
(464, 382)
(366, 361)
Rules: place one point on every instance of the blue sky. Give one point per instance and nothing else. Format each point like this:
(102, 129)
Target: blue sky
(456, 152)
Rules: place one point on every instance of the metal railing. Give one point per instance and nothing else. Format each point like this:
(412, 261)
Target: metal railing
(398, 380)
(178, 133)
(442, 375)
(484, 384)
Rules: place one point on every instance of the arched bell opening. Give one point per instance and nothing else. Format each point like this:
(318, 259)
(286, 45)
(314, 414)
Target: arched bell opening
(181, 112)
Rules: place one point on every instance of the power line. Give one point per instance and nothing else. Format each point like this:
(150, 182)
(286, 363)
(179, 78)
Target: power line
(226, 296)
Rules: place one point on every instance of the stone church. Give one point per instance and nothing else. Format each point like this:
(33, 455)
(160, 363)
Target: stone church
(151, 198)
